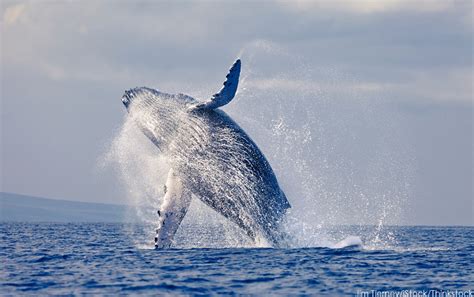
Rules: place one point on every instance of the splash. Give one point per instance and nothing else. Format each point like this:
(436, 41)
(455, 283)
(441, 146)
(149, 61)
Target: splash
(335, 146)
(142, 172)
(212, 158)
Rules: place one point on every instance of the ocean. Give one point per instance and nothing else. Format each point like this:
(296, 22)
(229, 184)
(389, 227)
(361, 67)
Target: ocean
(104, 258)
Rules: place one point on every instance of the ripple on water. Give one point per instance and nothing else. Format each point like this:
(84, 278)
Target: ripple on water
(88, 263)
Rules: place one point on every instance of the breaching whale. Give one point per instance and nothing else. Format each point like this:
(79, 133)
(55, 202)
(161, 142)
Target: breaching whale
(211, 158)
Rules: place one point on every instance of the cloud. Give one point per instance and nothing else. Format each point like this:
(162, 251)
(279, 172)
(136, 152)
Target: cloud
(367, 6)
(292, 85)
(452, 86)
(382, 43)
(65, 65)
(13, 13)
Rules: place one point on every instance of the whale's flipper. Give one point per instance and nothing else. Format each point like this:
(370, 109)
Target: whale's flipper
(227, 92)
(172, 211)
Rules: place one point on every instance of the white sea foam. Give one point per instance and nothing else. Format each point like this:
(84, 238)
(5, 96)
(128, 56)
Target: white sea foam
(347, 242)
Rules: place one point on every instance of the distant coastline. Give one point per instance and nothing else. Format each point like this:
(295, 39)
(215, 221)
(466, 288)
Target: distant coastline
(23, 208)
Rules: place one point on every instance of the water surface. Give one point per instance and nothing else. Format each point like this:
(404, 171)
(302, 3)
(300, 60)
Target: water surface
(48, 258)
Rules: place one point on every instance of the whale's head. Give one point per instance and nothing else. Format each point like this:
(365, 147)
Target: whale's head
(152, 98)
(141, 97)
(156, 113)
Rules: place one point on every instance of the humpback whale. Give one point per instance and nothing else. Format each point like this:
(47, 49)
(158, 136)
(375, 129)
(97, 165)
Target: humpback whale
(212, 159)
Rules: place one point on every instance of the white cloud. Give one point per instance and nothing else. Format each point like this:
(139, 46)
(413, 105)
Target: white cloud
(292, 85)
(130, 43)
(367, 6)
(83, 29)
(13, 13)
(453, 85)
(283, 84)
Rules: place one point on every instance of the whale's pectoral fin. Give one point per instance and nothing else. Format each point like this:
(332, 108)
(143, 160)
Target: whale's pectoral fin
(172, 211)
(226, 94)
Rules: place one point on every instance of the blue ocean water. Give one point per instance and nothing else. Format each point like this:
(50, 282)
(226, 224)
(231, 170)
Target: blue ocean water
(48, 258)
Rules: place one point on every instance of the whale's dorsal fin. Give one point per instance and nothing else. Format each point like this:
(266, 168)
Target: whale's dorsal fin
(227, 92)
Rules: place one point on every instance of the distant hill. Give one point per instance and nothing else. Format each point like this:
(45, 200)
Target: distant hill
(21, 208)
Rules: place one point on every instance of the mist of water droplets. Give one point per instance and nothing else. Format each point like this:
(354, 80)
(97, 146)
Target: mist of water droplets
(335, 147)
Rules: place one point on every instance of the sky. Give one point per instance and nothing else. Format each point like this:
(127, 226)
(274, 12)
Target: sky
(346, 98)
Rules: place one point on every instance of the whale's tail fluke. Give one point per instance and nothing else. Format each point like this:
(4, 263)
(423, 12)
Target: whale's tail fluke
(227, 93)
